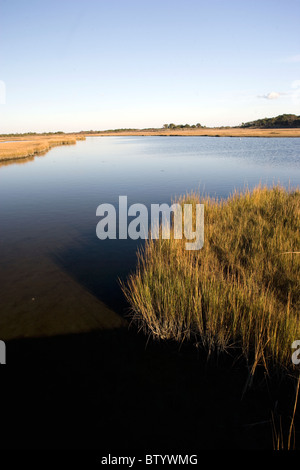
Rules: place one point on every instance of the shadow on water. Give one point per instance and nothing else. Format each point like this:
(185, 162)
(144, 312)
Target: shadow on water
(115, 389)
(99, 265)
(107, 390)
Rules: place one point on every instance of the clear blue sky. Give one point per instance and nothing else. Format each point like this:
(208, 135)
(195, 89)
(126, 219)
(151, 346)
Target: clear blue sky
(100, 64)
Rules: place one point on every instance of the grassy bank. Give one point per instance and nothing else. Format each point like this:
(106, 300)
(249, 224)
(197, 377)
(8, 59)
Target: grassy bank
(240, 292)
(33, 145)
(211, 132)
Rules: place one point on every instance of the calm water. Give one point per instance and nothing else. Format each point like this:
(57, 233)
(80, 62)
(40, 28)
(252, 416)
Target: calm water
(56, 276)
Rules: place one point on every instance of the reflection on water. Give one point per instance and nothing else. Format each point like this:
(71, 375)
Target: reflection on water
(56, 275)
(17, 161)
(21, 160)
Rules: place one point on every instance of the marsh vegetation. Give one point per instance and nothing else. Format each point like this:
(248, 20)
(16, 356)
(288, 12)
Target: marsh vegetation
(240, 293)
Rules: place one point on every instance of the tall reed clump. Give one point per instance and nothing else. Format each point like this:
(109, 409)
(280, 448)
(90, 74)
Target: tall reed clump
(241, 290)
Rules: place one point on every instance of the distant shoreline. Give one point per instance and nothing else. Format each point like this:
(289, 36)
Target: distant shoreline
(205, 132)
(19, 147)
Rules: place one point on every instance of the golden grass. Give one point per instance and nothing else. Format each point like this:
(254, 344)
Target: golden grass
(238, 292)
(280, 441)
(213, 132)
(35, 145)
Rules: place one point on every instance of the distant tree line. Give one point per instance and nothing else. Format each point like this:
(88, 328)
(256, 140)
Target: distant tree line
(20, 134)
(125, 129)
(183, 126)
(278, 122)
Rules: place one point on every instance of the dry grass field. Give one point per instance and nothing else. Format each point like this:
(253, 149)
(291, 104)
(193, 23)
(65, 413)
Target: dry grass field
(212, 132)
(24, 147)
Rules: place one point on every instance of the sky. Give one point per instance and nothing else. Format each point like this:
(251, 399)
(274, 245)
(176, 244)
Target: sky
(73, 65)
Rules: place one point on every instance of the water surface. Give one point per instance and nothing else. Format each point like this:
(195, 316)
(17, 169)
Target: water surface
(56, 276)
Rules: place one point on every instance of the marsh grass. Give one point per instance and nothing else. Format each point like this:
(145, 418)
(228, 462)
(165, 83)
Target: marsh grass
(212, 132)
(34, 146)
(282, 440)
(240, 292)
